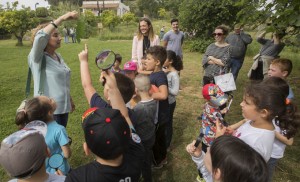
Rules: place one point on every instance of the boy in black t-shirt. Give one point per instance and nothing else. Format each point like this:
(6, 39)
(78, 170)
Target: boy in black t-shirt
(118, 152)
(156, 57)
(124, 84)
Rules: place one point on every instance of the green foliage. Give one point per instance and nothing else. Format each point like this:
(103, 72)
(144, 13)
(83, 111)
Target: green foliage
(128, 17)
(162, 13)
(203, 16)
(148, 8)
(41, 12)
(18, 22)
(199, 45)
(279, 15)
(110, 19)
(90, 18)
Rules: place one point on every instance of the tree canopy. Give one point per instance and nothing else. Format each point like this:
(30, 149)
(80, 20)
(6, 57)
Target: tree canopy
(18, 22)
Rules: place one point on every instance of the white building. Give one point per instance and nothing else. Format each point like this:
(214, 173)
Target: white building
(115, 5)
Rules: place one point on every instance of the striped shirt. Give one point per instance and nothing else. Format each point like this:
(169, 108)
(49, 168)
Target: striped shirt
(269, 48)
(223, 53)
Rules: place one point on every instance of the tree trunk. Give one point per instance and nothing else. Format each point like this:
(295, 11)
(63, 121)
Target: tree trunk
(20, 40)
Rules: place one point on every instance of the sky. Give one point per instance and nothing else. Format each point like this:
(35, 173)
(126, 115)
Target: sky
(31, 3)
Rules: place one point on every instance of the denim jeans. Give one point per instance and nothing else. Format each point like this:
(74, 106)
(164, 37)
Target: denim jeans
(271, 167)
(62, 119)
(235, 66)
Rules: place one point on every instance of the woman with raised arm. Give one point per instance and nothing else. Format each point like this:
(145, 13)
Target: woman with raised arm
(56, 79)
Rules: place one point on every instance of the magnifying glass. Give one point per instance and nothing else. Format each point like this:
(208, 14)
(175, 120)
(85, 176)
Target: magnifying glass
(105, 60)
(55, 161)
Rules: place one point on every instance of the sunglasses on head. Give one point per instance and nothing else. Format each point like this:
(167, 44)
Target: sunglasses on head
(218, 34)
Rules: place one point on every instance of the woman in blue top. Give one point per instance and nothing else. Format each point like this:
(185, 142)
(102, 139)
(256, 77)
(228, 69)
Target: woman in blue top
(56, 83)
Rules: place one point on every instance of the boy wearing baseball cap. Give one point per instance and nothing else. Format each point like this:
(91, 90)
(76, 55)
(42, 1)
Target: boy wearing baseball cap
(118, 151)
(23, 154)
(215, 98)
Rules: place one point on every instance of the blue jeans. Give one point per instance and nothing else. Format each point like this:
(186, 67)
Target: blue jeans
(66, 39)
(235, 66)
(61, 119)
(271, 167)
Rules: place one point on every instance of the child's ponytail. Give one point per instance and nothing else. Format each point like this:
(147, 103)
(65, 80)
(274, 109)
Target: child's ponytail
(289, 122)
(21, 119)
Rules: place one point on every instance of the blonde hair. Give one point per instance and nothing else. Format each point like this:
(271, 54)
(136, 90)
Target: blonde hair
(142, 83)
(151, 32)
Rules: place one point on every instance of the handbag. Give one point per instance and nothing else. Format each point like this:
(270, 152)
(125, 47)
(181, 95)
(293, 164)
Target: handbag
(225, 82)
(28, 82)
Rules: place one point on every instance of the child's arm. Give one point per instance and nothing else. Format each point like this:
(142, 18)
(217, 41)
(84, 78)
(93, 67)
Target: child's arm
(284, 139)
(162, 93)
(114, 95)
(86, 80)
(66, 151)
(238, 124)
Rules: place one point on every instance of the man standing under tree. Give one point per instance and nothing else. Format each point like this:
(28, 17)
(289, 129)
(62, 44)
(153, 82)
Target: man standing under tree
(238, 41)
(173, 39)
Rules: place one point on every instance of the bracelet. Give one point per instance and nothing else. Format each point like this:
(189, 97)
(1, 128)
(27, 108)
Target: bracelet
(52, 23)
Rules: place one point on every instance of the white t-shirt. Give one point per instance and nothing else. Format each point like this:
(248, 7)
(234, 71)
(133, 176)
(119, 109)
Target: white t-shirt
(278, 146)
(51, 178)
(259, 139)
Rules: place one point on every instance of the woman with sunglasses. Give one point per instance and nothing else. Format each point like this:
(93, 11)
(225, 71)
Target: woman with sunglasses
(56, 80)
(216, 60)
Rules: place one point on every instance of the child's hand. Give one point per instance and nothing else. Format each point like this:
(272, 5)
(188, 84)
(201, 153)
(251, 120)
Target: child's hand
(194, 151)
(225, 110)
(220, 128)
(83, 55)
(110, 79)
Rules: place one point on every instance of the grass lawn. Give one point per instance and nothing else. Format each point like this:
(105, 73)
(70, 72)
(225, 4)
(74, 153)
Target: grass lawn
(13, 61)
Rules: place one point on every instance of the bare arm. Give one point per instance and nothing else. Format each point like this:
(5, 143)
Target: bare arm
(66, 151)
(165, 44)
(86, 80)
(238, 124)
(68, 16)
(162, 93)
(215, 61)
(114, 95)
(284, 139)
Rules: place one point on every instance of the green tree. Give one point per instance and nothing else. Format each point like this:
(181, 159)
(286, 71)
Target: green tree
(128, 17)
(162, 13)
(148, 7)
(18, 22)
(279, 15)
(201, 17)
(109, 19)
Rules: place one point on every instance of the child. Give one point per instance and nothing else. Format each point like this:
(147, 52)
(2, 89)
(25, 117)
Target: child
(125, 85)
(261, 104)
(211, 112)
(282, 68)
(156, 57)
(281, 139)
(142, 68)
(130, 69)
(145, 111)
(23, 154)
(42, 108)
(173, 65)
(116, 66)
(107, 133)
(229, 159)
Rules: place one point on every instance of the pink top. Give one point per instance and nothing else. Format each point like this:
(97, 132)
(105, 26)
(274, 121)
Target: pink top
(137, 48)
